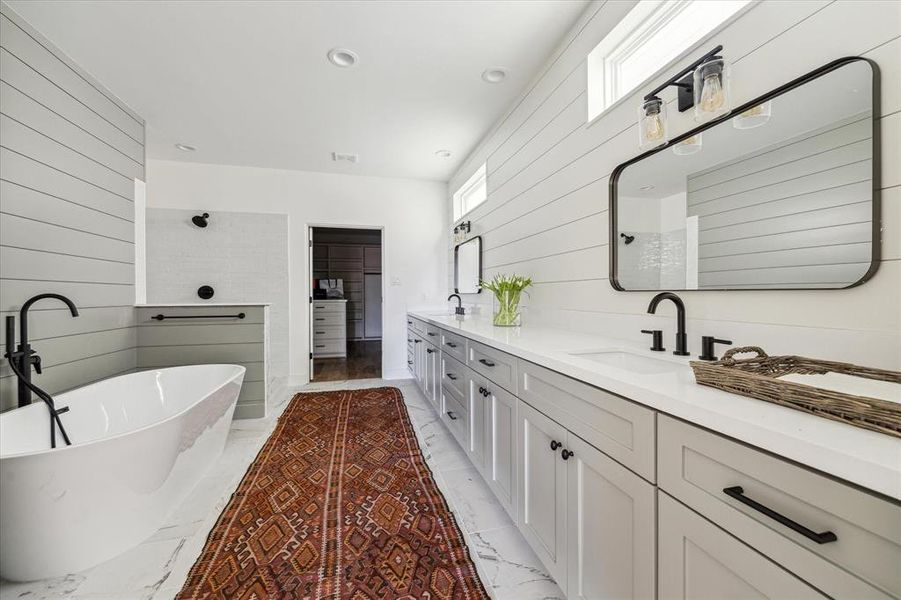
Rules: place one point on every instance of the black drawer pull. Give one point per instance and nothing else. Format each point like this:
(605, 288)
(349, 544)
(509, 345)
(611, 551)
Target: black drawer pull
(451, 415)
(409, 340)
(429, 350)
(451, 344)
(452, 377)
(566, 454)
(320, 345)
(416, 341)
(320, 332)
(409, 322)
(555, 444)
(430, 333)
(409, 362)
(320, 318)
(738, 493)
(485, 362)
(486, 393)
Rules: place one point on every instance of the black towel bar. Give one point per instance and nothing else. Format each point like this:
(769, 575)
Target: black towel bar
(162, 317)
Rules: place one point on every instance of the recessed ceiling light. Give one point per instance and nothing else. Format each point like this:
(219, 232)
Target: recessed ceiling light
(342, 57)
(494, 75)
(185, 147)
(443, 153)
(345, 157)
(645, 188)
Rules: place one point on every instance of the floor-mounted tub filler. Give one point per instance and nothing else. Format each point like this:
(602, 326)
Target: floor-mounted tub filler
(140, 443)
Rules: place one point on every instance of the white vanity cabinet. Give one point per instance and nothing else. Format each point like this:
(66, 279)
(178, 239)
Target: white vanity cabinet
(430, 376)
(501, 468)
(479, 396)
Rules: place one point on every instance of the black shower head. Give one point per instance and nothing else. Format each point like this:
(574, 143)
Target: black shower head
(629, 238)
(200, 220)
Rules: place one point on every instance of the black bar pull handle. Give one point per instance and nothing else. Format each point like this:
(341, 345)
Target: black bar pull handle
(451, 344)
(452, 377)
(485, 362)
(738, 493)
(451, 415)
(163, 317)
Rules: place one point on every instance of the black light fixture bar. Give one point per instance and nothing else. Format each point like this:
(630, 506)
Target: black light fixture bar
(683, 81)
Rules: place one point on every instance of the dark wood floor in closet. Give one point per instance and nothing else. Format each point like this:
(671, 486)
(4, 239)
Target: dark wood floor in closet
(364, 361)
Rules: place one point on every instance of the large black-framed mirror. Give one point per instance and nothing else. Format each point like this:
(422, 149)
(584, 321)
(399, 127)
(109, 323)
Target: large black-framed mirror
(468, 266)
(790, 203)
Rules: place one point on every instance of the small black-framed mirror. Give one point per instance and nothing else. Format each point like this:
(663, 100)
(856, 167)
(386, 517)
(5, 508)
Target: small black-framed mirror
(468, 266)
(780, 193)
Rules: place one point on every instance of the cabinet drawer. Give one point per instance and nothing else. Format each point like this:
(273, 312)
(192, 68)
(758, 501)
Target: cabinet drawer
(432, 334)
(329, 332)
(454, 374)
(497, 366)
(454, 345)
(418, 326)
(328, 318)
(329, 348)
(698, 467)
(617, 427)
(323, 306)
(455, 415)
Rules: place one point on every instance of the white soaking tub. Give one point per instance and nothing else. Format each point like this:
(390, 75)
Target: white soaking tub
(140, 443)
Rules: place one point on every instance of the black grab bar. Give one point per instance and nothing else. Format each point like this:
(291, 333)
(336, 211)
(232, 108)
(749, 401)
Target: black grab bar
(162, 317)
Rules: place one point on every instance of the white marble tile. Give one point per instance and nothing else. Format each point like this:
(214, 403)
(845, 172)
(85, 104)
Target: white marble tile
(473, 502)
(509, 567)
(138, 573)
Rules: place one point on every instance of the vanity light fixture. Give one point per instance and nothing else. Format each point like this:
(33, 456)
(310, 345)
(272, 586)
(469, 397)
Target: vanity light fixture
(689, 145)
(443, 153)
(754, 116)
(200, 220)
(461, 230)
(703, 84)
(185, 147)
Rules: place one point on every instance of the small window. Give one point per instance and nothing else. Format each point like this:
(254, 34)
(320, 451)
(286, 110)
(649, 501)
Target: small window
(472, 193)
(651, 37)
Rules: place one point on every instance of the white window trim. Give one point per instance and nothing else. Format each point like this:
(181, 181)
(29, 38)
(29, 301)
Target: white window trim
(476, 179)
(635, 25)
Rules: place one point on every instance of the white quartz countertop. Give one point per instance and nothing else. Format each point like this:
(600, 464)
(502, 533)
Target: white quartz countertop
(194, 304)
(866, 458)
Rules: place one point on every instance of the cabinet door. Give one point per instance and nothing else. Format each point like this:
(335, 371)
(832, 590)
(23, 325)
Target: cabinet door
(542, 488)
(419, 361)
(610, 521)
(479, 400)
(698, 560)
(431, 375)
(500, 467)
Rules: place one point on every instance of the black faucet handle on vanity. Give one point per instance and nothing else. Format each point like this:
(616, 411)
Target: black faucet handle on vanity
(656, 339)
(708, 343)
(458, 310)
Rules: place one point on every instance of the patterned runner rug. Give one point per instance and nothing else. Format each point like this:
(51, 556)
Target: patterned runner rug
(339, 503)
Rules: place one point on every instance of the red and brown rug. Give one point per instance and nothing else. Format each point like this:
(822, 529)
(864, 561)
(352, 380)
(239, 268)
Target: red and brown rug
(339, 503)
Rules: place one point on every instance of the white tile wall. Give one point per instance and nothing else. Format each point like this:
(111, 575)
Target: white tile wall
(243, 256)
(548, 172)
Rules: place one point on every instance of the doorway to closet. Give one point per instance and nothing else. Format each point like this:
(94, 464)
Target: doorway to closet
(345, 303)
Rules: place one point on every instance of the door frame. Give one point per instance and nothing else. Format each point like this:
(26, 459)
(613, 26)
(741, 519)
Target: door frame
(308, 230)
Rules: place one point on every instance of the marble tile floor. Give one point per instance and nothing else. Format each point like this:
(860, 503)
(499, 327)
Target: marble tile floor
(157, 568)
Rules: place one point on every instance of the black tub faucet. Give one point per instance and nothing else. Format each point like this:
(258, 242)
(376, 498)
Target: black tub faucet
(681, 336)
(458, 310)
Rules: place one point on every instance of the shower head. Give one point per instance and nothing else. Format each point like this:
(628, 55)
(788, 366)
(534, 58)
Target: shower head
(628, 238)
(200, 220)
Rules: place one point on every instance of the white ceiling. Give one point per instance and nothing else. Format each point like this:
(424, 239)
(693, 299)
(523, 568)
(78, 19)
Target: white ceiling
(248, 83)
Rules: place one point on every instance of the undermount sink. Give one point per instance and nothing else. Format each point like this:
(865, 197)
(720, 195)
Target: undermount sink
(628, 361)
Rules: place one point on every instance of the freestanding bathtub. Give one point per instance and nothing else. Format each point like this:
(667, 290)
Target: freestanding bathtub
(140, 443)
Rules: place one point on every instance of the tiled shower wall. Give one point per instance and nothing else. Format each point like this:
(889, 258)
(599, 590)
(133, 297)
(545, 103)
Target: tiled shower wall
(69, 155)
(548, 175)
(243, 256)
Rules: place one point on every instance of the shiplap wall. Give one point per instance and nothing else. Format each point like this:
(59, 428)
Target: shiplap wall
(798, 213)
(69, 154)
(548, 172)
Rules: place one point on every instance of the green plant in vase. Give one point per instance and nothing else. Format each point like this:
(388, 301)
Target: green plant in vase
(507, 290)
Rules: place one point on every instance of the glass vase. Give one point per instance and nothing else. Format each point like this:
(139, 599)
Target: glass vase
(506, 309)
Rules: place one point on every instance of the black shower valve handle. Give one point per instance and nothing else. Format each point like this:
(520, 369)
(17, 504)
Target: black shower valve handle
(708, 347)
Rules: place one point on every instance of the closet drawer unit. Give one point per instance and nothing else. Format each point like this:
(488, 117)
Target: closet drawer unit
(453, 344)
(324, 306)
(617, 427)
(346, 252)
(329, 348)
(432, 334)
(345, 265)
(330, 332)
(418, 326)
(328, 318)
(497, 366)
(454, 375)
(455, 415)
(808, 523)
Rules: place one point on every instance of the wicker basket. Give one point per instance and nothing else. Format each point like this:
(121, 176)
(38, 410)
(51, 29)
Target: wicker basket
(757, 378)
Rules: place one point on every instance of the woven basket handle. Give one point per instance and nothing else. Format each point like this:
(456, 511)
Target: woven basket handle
(727, 357)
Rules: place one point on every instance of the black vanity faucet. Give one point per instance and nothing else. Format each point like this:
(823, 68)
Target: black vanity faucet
(681, 336)
(458, 310)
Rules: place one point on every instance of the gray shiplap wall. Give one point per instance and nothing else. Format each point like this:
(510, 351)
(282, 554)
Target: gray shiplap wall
(548, 176)
(172, 343)
(69, 154)
(798, 213)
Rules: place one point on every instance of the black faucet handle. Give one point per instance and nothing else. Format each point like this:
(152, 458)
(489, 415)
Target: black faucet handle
(36, 361)
(708, 343)
(657, 339)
